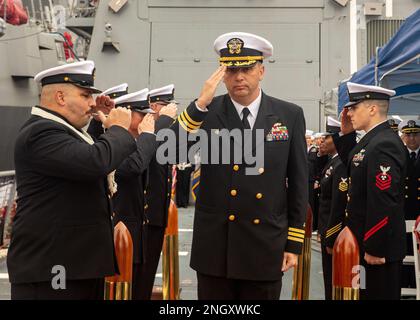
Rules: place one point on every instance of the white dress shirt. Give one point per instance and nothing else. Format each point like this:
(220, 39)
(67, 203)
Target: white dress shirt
(253, 108)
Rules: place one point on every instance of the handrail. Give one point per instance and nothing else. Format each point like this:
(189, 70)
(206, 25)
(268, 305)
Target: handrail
(7, 173)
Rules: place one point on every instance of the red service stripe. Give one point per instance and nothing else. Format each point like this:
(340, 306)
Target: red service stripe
(376, 228)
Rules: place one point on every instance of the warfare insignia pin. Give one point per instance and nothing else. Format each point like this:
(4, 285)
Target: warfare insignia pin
(328, 172)
(343, 185)
(235, 45)
(383, 179)
(358, 157)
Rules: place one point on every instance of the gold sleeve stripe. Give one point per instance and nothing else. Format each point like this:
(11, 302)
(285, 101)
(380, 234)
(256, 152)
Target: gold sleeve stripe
(333, 229)
(295, 239)
(185, 127)
(336, 226)
(330, 234)
(297, 230)
(186, 124)
(189, 125)
(188, 118)
(296, 235)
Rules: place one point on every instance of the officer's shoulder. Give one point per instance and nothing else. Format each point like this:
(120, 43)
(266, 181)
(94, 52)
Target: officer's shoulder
(217, 103)
(284, 105)
(388, 140)
(36, 126)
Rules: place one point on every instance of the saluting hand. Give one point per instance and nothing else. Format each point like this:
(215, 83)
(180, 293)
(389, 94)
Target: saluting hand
(147, 124)
(209, 88)
(374, 260)
(117, 117)
(346, 125)
(104, 104)
(289, 261)
(169, 110)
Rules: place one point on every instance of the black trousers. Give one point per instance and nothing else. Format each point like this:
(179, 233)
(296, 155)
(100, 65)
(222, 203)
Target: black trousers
(383, 282)
(327, 272)
(89, 289)
(216, 288)
(183, 179)
(144, 276)
(408, 272)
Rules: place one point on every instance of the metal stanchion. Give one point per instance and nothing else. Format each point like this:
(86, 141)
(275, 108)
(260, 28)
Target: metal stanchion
(302, 272)
(345, 261)
(170, 261)
(118, 287)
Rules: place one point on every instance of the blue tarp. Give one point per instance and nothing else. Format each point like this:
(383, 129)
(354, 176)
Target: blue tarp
(396, 66)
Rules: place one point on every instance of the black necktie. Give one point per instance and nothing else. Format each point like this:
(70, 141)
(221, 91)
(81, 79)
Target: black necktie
(245, 123)
(413, 156)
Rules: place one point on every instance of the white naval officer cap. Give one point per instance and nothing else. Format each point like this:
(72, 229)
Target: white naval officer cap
(81, 74)
(136, 101)
(409, 126)
(318, 135)
(393, 123)
(241, 49)
(333, 126)
(333, 122)
(309, 133)
(164, 94)
(116, 91)
(361, 92)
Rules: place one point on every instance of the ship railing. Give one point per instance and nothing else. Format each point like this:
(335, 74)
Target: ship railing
(7, 205)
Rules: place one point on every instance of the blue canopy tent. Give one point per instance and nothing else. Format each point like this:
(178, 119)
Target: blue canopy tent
(396, 66)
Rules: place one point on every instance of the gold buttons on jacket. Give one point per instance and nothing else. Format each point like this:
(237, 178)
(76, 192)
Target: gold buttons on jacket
(235, 167)
(146, 206)
(232, 217)
(258, 196)
(256, 221)
(406, 196)
(144, 191)
(348, 198)
(233, 192)
(406, 187)
(169, 179)
(261, 170)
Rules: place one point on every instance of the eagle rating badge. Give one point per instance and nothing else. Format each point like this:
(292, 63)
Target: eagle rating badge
(383, 179)
(278, 133)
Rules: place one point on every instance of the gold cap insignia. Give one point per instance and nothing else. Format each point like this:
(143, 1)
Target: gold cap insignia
(235, 45)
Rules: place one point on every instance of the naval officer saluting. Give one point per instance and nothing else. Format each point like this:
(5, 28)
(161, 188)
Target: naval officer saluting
(63, 218)
(375, 208)
(248, 229)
